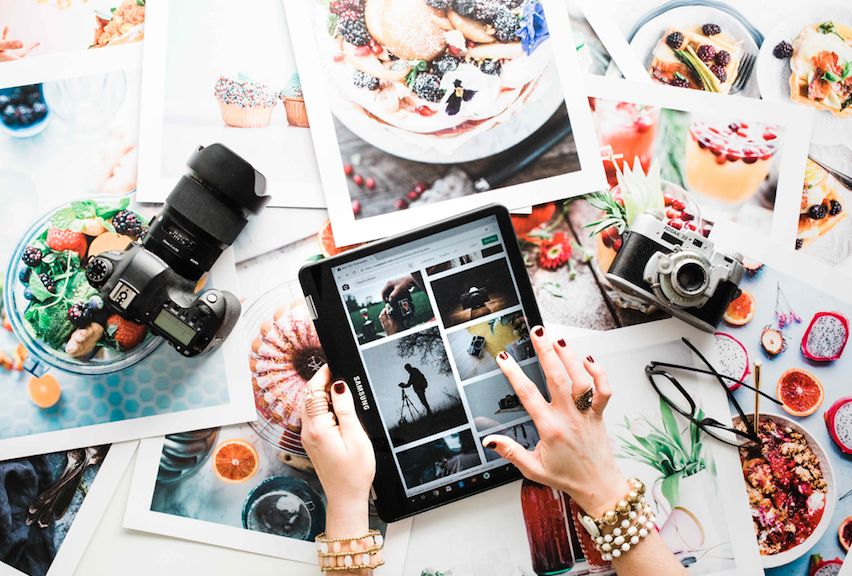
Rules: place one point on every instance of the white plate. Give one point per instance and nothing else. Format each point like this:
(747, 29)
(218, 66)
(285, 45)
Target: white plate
(646, 38)
(773, 75)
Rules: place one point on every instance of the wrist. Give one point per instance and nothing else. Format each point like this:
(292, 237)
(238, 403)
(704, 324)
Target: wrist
(347, 518)
(603, 497)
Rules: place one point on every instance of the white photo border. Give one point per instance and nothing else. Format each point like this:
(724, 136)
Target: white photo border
(613, 40)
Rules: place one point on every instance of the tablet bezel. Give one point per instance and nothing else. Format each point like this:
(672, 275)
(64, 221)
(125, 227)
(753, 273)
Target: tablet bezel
(335, 334)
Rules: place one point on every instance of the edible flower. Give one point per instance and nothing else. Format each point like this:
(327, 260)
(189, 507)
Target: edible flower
(554, 252)
(533, 31)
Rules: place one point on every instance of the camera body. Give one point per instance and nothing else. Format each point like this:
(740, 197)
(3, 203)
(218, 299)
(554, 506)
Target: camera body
(678, 270)
(153, 281)
(509, 401)
(401, 308)
(477, 343)
(474, 298)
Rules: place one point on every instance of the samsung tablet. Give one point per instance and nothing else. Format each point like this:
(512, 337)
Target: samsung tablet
(414, 324)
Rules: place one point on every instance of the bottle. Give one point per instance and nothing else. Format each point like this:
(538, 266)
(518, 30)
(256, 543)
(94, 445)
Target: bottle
(596, 563)
(546, 515)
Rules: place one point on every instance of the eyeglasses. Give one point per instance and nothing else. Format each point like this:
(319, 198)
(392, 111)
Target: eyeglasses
(676, 396)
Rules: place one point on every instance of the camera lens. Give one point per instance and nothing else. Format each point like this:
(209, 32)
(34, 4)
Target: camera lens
(206, 210)
(690, 278)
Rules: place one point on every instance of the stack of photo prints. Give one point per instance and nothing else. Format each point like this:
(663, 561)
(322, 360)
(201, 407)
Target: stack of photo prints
(732, 119)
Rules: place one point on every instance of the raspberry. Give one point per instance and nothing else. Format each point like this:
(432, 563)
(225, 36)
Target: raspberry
(491, 67)
(464, 7)
(439, 4)
(799, 243)
(710, 29)
(127, 223)
(818, 212)
(674, 40)
(706, 52)
(364, 80)
(783, 50)
(354, 30)
(444, 64)
(835, 208)
(680, 83)
(723, 58)
(31, 256)
(79, 315)
(486, 10)
(719, 72)
(428, 87)
(506, 26)
(48, 282)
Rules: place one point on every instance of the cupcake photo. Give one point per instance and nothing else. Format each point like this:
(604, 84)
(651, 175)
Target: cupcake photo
(294, 103)
(244, 102)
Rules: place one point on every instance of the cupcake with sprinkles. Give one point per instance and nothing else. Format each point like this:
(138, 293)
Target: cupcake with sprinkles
(294, 103)
(245, 102)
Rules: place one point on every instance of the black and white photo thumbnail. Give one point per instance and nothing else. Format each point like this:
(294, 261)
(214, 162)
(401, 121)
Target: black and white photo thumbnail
(475, 348)
(474, 292)
(439, 458)
(492, 401)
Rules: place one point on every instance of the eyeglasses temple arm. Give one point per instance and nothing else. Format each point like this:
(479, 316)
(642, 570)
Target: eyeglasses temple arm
(654, 364)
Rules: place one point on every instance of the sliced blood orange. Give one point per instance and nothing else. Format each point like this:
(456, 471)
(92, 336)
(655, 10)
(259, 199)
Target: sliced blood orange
(740, 310)
(800, 392)
(235, 461)
(44, 391)
(325, 239)
(845, 533)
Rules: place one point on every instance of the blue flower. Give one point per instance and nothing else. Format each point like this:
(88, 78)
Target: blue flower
(533, 29)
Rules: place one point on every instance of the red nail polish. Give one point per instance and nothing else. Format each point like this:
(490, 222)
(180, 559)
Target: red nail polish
(590, 359)
(503, 356)
(491, 445)
(339, 387)
(561, 342)
(539, 331)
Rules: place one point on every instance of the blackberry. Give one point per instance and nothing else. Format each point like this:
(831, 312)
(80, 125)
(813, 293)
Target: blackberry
(710, 29)
(439, 4)
(506, 25)
(4, 101)
(486, 10)
(40, 110)
(680, 83)
(354, 30)
(48, 282)
(8, 115)
(818, 212)
(723, 58)
(364, 80)
(343, 7)
(511, 4)
(783, 50)
(799, 243)
(32, 256)
(674, 40)
(464, 7)
(492, 67)
(444, 64)
(835, 208)
(24, 114)
(719, 72)
(79, 315)
(127, 223)
(706, 52)
(428, 87)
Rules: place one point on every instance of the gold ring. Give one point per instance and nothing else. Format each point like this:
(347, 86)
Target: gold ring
(583, 401)
(316, 402)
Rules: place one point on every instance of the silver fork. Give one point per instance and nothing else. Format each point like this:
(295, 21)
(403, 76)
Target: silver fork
(743, 73)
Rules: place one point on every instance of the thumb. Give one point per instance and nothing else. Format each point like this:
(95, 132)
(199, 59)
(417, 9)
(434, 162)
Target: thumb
(525, 460)
(344, 409)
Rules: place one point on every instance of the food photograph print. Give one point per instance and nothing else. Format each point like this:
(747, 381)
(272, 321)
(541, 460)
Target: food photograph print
(419, 111)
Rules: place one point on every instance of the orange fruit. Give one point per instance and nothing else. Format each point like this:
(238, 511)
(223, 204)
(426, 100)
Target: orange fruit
(845, 533)
(740, 310)
(325, 239)
(44, 391)
(235, 461)
(800, 392)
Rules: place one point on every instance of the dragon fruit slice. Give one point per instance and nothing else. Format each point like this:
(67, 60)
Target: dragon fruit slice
(820, 567)
(826, 337)
(838, 419)
(733, 358)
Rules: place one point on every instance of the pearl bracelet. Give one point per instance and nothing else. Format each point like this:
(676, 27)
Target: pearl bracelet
(359, 553)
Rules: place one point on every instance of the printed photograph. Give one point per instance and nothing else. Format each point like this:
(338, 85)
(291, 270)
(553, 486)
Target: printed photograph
(524, 434)
(493, 402)
(413, 384)
(34, 29)
(474, 292)
(464, 260)
(475, 348)
(593, 55)
(381, 311)
(41, 497)
(438, 458)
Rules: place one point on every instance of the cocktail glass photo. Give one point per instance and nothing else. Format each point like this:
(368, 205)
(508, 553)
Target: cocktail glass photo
(630, 129)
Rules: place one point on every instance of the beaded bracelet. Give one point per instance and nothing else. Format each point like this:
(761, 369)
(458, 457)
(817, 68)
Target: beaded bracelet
(360, 553)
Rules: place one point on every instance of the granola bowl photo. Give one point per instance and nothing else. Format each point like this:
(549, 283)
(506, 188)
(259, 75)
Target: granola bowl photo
(791, 489)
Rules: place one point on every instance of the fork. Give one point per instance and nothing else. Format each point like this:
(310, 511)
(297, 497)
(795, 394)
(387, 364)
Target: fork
(843, 178)
(743, 73)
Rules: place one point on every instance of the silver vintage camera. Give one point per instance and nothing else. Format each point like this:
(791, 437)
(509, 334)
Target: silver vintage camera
(678, 270)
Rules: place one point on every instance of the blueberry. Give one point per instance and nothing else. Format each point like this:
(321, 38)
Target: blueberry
(24, 275)
(28, 294)
(96, 303)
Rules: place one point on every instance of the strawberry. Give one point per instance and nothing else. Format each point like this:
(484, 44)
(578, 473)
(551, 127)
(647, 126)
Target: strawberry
(61, 240)
(128, 334)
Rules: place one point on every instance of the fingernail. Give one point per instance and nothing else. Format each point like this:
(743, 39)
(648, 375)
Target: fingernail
(492, 445)
(539, 331)
(503, 356)
(590, 359)
(339, 387)
(561, 342)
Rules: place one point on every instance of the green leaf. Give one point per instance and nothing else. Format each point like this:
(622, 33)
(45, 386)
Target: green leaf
(680, 76)
(828, 28)
(331, 24)
(84, 209)
(107, 224)
(554, 289)
(103, 15)
(670, 489)
(847, 71)
(846, 103)
(140, 2)
(830, 77)
(670, 423)
(62, 219)
(77, 226)
(39, 291)
(314, 258)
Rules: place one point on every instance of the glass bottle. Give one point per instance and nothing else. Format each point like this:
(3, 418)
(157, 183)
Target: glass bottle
(546, 515)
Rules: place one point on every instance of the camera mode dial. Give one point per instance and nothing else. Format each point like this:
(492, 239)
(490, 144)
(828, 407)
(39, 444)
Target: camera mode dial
(98, 269)
(735, 255)
(658, 214)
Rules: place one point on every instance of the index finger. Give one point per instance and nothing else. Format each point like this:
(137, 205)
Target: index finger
(554, 370)
(529, 395)
(386, 291)
(5, 32)
(10, 44)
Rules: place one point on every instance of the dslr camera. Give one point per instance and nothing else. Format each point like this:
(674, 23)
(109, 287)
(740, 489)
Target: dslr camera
(401, 308)
(474, 298)
(678, 270)
(153, 282)
(509, 401)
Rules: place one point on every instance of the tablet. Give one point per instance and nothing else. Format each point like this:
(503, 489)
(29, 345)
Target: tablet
(414, 324)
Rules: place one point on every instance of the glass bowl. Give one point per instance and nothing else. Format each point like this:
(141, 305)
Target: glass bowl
(87, 102)
(41, 355)
(286, 507)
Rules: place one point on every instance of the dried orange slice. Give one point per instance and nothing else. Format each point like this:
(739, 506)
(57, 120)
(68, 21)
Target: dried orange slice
(740, 310)
(800, 392)
(235, 461)
(325, 239)
(44, 391)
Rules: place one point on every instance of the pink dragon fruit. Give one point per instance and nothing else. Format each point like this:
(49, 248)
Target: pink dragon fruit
(838, 419)
(826, 337)
(733, 358)
(820, 567)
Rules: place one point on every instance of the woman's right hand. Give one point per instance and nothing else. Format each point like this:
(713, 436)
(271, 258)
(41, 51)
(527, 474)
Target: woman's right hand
(573, 454)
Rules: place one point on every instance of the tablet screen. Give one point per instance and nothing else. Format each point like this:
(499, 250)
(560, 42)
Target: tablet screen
(429, 318)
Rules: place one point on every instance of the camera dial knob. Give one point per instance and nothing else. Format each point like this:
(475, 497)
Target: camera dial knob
(738, 256)
(98, 269)
(656, 213)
